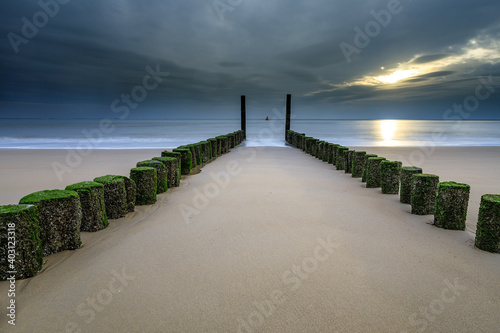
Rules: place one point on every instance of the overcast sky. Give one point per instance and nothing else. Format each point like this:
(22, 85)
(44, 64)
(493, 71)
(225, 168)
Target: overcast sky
(338, 58)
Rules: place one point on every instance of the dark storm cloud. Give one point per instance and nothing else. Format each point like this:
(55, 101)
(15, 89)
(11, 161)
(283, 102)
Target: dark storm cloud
(90, 53)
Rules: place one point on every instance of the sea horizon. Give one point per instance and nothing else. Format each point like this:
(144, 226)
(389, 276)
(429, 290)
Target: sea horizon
(84, 133)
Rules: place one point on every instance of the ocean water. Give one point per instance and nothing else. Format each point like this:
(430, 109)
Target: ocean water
(161, 133)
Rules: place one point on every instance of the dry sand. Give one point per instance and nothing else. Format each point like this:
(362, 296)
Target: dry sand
(277, 242)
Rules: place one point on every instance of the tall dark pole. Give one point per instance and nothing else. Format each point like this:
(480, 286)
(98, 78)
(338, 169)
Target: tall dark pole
(288, 112)
(243, 116)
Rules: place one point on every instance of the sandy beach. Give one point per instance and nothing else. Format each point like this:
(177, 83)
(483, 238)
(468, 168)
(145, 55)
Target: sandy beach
(262, 240)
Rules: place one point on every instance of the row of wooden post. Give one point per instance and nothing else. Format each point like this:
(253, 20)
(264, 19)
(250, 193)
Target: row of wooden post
(48, 222)
(448, 201)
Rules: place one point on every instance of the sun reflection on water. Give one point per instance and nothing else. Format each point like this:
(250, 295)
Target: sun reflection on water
(388, 132)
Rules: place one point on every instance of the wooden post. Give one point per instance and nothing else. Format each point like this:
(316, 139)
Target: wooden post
(244, 116)
(288, 112)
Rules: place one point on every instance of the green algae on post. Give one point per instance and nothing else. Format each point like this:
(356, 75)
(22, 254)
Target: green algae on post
(177, 156)
(406, 178)
(451, 205)
(115, 195)
(91, 195)
(340, 162)
(186, 160)
(21, 221)
(146, 180)
(373, 172)
(130, 189)
(348, 160)
(423, 193)
(161, 174)
(365, 166)
(170, 164)
(206, 152)
(488, 224)
(358, 160)
(389, 176)
(60, 218)
(213, 144)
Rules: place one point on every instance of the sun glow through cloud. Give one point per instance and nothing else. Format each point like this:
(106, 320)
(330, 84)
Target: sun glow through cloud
(467, 56)
(397, 76)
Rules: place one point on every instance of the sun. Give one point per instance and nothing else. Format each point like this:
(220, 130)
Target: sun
(397, 76)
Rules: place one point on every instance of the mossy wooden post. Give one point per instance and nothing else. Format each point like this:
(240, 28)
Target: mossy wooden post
(451, 205)
(358, 159)
(161, 174)
(406, 179)
(291, 138)
(225, 142)
(348, 160)
(335, 153)
(324, 153)
(221, 145)
(365, 167)
(488, 224)
(297, 140)
(91, 195)
(21, 221)
(340, 162)
(170, 164)
(195, 158)
(423, 193)
(130, 189)
(198, 148)
(314, 150)
(146, 181)
(329, 153)
(177, 156)
(186, 160)
(231, 141)
(389, 176)
(205, 152)
(213, 145)
(308, 145)
(115, 196)
(60, 218)
(373, 172)
(319, 150)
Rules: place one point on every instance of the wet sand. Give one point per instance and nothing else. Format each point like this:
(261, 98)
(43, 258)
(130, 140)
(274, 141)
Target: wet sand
(262, 240)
